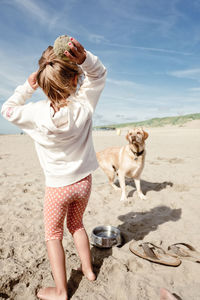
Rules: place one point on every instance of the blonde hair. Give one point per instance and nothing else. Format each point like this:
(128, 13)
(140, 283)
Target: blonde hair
(55, 77)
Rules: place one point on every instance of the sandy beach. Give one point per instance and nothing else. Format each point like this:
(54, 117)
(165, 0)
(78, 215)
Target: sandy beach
(169, 215)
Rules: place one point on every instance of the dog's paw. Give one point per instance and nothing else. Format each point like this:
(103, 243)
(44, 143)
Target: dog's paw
(123, 198)
(116, 188)
(142, 196)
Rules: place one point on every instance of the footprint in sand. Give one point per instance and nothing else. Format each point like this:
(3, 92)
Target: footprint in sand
(133, 265)
(173, 160)
(181, 188)
(7, 252)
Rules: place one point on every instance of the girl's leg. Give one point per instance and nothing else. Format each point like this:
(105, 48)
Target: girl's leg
(82, 190)
(57, 261)
(83, 248)
(55, 210)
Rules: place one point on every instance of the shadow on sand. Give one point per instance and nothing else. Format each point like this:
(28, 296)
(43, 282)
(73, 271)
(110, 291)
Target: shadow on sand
(138, 224)
(74, 281)
(135, 226)
(146, 186)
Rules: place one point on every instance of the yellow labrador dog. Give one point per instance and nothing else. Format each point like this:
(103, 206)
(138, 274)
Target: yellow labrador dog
(127, 161)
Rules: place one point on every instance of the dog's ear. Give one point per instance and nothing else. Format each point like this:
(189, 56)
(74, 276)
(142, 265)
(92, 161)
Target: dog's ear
(145, 135)
(127, 136)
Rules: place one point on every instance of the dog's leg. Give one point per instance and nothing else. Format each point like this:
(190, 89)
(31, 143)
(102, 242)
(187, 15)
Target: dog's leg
(138, 188)
(121, 176)
(116, 188)
(111, 177)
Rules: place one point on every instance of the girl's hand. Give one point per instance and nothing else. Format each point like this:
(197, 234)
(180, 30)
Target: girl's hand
(79, 53)
(33, 80)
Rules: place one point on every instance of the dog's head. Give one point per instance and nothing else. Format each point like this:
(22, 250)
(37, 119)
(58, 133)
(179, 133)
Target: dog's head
(136, 136)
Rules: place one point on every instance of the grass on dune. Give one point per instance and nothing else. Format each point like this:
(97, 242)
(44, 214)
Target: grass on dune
(155, 122)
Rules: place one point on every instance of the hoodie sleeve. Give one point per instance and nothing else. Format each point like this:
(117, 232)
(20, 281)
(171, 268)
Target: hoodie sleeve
(16, 111)
(94, 82)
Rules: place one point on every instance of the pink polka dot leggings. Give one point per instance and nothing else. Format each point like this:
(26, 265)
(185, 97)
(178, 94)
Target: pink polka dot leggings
(69, 201)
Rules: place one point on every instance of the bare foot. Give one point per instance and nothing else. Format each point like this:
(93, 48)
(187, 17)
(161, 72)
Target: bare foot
(89, 274)
(50, 293)
(166, 295)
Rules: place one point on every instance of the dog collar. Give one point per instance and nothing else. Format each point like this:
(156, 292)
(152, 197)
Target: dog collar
(138, 153)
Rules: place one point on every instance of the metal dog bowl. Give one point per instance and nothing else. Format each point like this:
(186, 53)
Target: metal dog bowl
(106, 236)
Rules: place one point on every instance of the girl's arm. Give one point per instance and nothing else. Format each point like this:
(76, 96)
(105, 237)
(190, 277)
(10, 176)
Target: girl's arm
(95, 74)
(15, 110)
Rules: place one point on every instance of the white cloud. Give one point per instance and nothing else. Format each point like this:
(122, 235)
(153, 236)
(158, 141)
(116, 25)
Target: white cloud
(37, 11)
(96, 38)
(189, 73)
(33, 8)
(161, 15)
(196, 89)
(124, 83)
(170, 51)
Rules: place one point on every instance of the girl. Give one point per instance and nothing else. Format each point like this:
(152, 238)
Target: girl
(61, 127)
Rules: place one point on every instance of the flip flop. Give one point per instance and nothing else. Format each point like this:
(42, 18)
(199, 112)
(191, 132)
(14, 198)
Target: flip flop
(184, 251)
(154, 253)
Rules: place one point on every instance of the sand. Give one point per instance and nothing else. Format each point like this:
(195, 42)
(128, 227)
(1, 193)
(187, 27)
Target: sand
(170, 214)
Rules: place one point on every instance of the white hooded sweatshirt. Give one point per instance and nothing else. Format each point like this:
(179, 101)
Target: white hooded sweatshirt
(63, 141)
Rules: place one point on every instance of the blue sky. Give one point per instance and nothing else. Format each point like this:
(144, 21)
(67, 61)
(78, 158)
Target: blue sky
(151, 49)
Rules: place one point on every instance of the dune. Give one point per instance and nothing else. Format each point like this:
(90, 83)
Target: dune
(170, 214)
